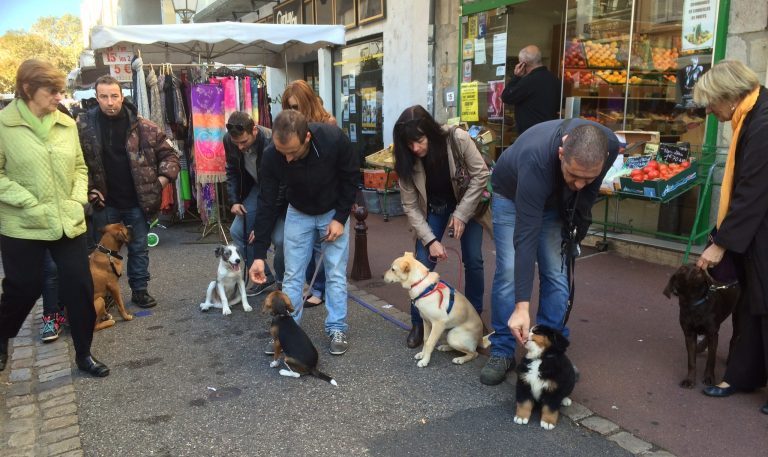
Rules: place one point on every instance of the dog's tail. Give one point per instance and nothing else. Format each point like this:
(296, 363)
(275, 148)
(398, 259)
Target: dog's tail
(319, 374)
(485, 342)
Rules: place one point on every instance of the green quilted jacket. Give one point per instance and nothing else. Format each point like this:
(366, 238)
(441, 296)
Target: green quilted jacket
(43, 185)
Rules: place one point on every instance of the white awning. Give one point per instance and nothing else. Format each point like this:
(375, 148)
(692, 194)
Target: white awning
(224, 42)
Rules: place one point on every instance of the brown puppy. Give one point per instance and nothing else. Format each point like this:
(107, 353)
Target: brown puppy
(704, 305)
(106, 269)
(442, 308)
(289, 338)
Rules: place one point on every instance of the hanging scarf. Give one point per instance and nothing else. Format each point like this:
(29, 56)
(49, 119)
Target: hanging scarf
(744, 107)
(41, 127)
(155, 108)
(140, 87)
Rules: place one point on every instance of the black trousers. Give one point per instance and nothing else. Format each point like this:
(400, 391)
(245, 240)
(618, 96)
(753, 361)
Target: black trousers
(748, 362)
(23, 284)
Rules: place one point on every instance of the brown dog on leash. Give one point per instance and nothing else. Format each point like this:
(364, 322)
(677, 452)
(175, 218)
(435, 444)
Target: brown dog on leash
(704, 305)
(106, 269)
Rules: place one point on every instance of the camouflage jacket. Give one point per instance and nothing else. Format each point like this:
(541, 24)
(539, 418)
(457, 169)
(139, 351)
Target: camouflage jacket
(151, 155)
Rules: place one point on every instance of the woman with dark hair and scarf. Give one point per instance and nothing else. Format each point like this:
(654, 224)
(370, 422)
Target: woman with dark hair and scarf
(424, 161)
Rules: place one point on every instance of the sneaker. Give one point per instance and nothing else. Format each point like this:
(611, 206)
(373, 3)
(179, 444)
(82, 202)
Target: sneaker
(61, 318)
(258, 289)
(495, 370)
(50, 330)
(270, 349)
(339, 343)
(142, 299)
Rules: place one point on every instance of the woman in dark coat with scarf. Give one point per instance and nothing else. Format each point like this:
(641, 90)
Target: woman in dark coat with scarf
(732, 92)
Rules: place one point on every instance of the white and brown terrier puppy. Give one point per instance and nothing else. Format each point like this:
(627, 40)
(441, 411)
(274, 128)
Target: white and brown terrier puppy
(229, 286)
(545, 375)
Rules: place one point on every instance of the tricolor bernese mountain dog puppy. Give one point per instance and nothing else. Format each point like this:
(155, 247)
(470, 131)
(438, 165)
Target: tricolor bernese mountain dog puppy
(291, 340)
(545, 375)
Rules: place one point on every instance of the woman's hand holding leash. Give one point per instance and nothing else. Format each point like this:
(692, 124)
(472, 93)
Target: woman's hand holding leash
(437, 251)
(256, 272)
(456, 228)
(710, 257)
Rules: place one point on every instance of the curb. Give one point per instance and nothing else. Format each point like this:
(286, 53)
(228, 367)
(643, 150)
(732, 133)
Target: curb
(578, 413)
(40, 417)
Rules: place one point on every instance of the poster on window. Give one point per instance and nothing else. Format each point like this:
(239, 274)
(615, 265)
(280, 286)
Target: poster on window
(352, 104)
(699, 24)
(345, 85)
(353, 133)
(370, 110)
(466, 71)
(469, 102)
(495, 105)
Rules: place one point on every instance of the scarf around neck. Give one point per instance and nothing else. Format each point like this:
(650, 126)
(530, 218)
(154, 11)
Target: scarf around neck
(726, 189)
(41, 127)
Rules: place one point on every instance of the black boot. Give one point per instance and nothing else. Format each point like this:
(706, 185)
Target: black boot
(92, 366)
(3, 353)
(415, 336)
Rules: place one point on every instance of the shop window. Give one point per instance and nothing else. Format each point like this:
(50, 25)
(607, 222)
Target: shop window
(308, 14)
(346, 13)
(324, 12)
(359, 94)
(311, 75)
(370, 10)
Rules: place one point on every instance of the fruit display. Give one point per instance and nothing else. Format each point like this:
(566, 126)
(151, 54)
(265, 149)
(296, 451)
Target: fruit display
(602, 55)
(657, 170)
(664, 59)
(582, 78)
(574, 55)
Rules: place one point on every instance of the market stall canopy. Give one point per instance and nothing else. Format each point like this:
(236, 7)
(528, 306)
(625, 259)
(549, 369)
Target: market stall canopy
(224, 42)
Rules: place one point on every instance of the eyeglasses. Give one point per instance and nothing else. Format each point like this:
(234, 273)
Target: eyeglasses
(235, 128)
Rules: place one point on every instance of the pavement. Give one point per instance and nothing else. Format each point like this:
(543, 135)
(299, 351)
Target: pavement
(188, 383)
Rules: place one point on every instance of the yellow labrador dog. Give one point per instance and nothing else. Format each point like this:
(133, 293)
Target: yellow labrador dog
(442, 308)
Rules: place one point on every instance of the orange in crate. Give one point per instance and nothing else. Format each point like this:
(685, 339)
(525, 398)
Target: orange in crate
(378, 179)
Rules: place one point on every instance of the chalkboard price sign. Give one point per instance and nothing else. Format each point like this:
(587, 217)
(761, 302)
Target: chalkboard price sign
(674, 153)
(637, 161)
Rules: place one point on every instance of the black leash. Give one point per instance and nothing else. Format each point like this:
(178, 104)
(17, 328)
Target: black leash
(110, 253)
(569, 251)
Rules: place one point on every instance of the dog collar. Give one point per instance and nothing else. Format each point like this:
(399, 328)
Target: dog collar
(109, 252)
(437, 287)
(419, 281)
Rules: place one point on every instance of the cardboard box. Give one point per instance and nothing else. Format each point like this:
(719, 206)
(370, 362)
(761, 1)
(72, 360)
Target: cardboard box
(637, 136)
(659, 188)
(379, 179)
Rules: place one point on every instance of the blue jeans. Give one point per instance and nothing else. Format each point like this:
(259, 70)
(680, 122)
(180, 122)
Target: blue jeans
(471, 256)
(553, 280)
(138, 251)
(301, 233)
(239, 232)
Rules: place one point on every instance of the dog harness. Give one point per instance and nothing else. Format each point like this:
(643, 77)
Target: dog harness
(110, 253)
(436, 287)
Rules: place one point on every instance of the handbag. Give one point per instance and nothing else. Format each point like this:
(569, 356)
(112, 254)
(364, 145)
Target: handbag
(463, 178)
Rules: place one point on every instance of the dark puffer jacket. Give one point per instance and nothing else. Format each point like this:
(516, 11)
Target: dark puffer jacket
(150, 152)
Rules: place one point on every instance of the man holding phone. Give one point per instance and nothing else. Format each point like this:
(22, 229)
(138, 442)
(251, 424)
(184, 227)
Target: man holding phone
(533, 90)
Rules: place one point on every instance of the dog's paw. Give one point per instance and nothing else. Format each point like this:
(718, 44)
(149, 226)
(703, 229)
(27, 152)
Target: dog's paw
(687, 383)
(291, 374)
(419, 355)
(566, 401)
(226, 311)
(274, 364)
(458, 360)
(422, 363)
(247, 308)
(445, 348)
(128, 317)
(205, 307)
(709, 380)
(547, 426)
(521, 420)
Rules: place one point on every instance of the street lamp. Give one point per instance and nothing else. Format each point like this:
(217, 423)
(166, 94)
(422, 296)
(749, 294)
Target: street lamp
(185, 9)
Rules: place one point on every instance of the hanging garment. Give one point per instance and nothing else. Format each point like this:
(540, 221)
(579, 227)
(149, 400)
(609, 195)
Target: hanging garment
(265, 118)
(155, 107)
(255, 100)
(140, 87)
(208, 124)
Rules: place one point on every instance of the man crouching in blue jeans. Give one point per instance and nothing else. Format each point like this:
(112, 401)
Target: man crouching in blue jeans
(321, 171)
(544, 186)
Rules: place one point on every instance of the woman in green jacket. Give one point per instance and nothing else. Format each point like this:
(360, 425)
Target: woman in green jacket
(43, 186)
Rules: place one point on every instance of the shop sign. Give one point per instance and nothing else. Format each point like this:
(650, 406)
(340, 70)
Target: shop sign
(288, 12)
(699, 24)
(117, 55)
(121, 72)
(469, 102)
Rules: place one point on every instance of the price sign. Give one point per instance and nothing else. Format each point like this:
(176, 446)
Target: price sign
(637, 161)
(121, 72)
(674, 153)
(116, 55)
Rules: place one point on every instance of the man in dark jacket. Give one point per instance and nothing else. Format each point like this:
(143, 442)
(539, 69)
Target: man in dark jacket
(533, 90)
(130, 161)
(244, 145)
(321, 173)
(544, 186)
